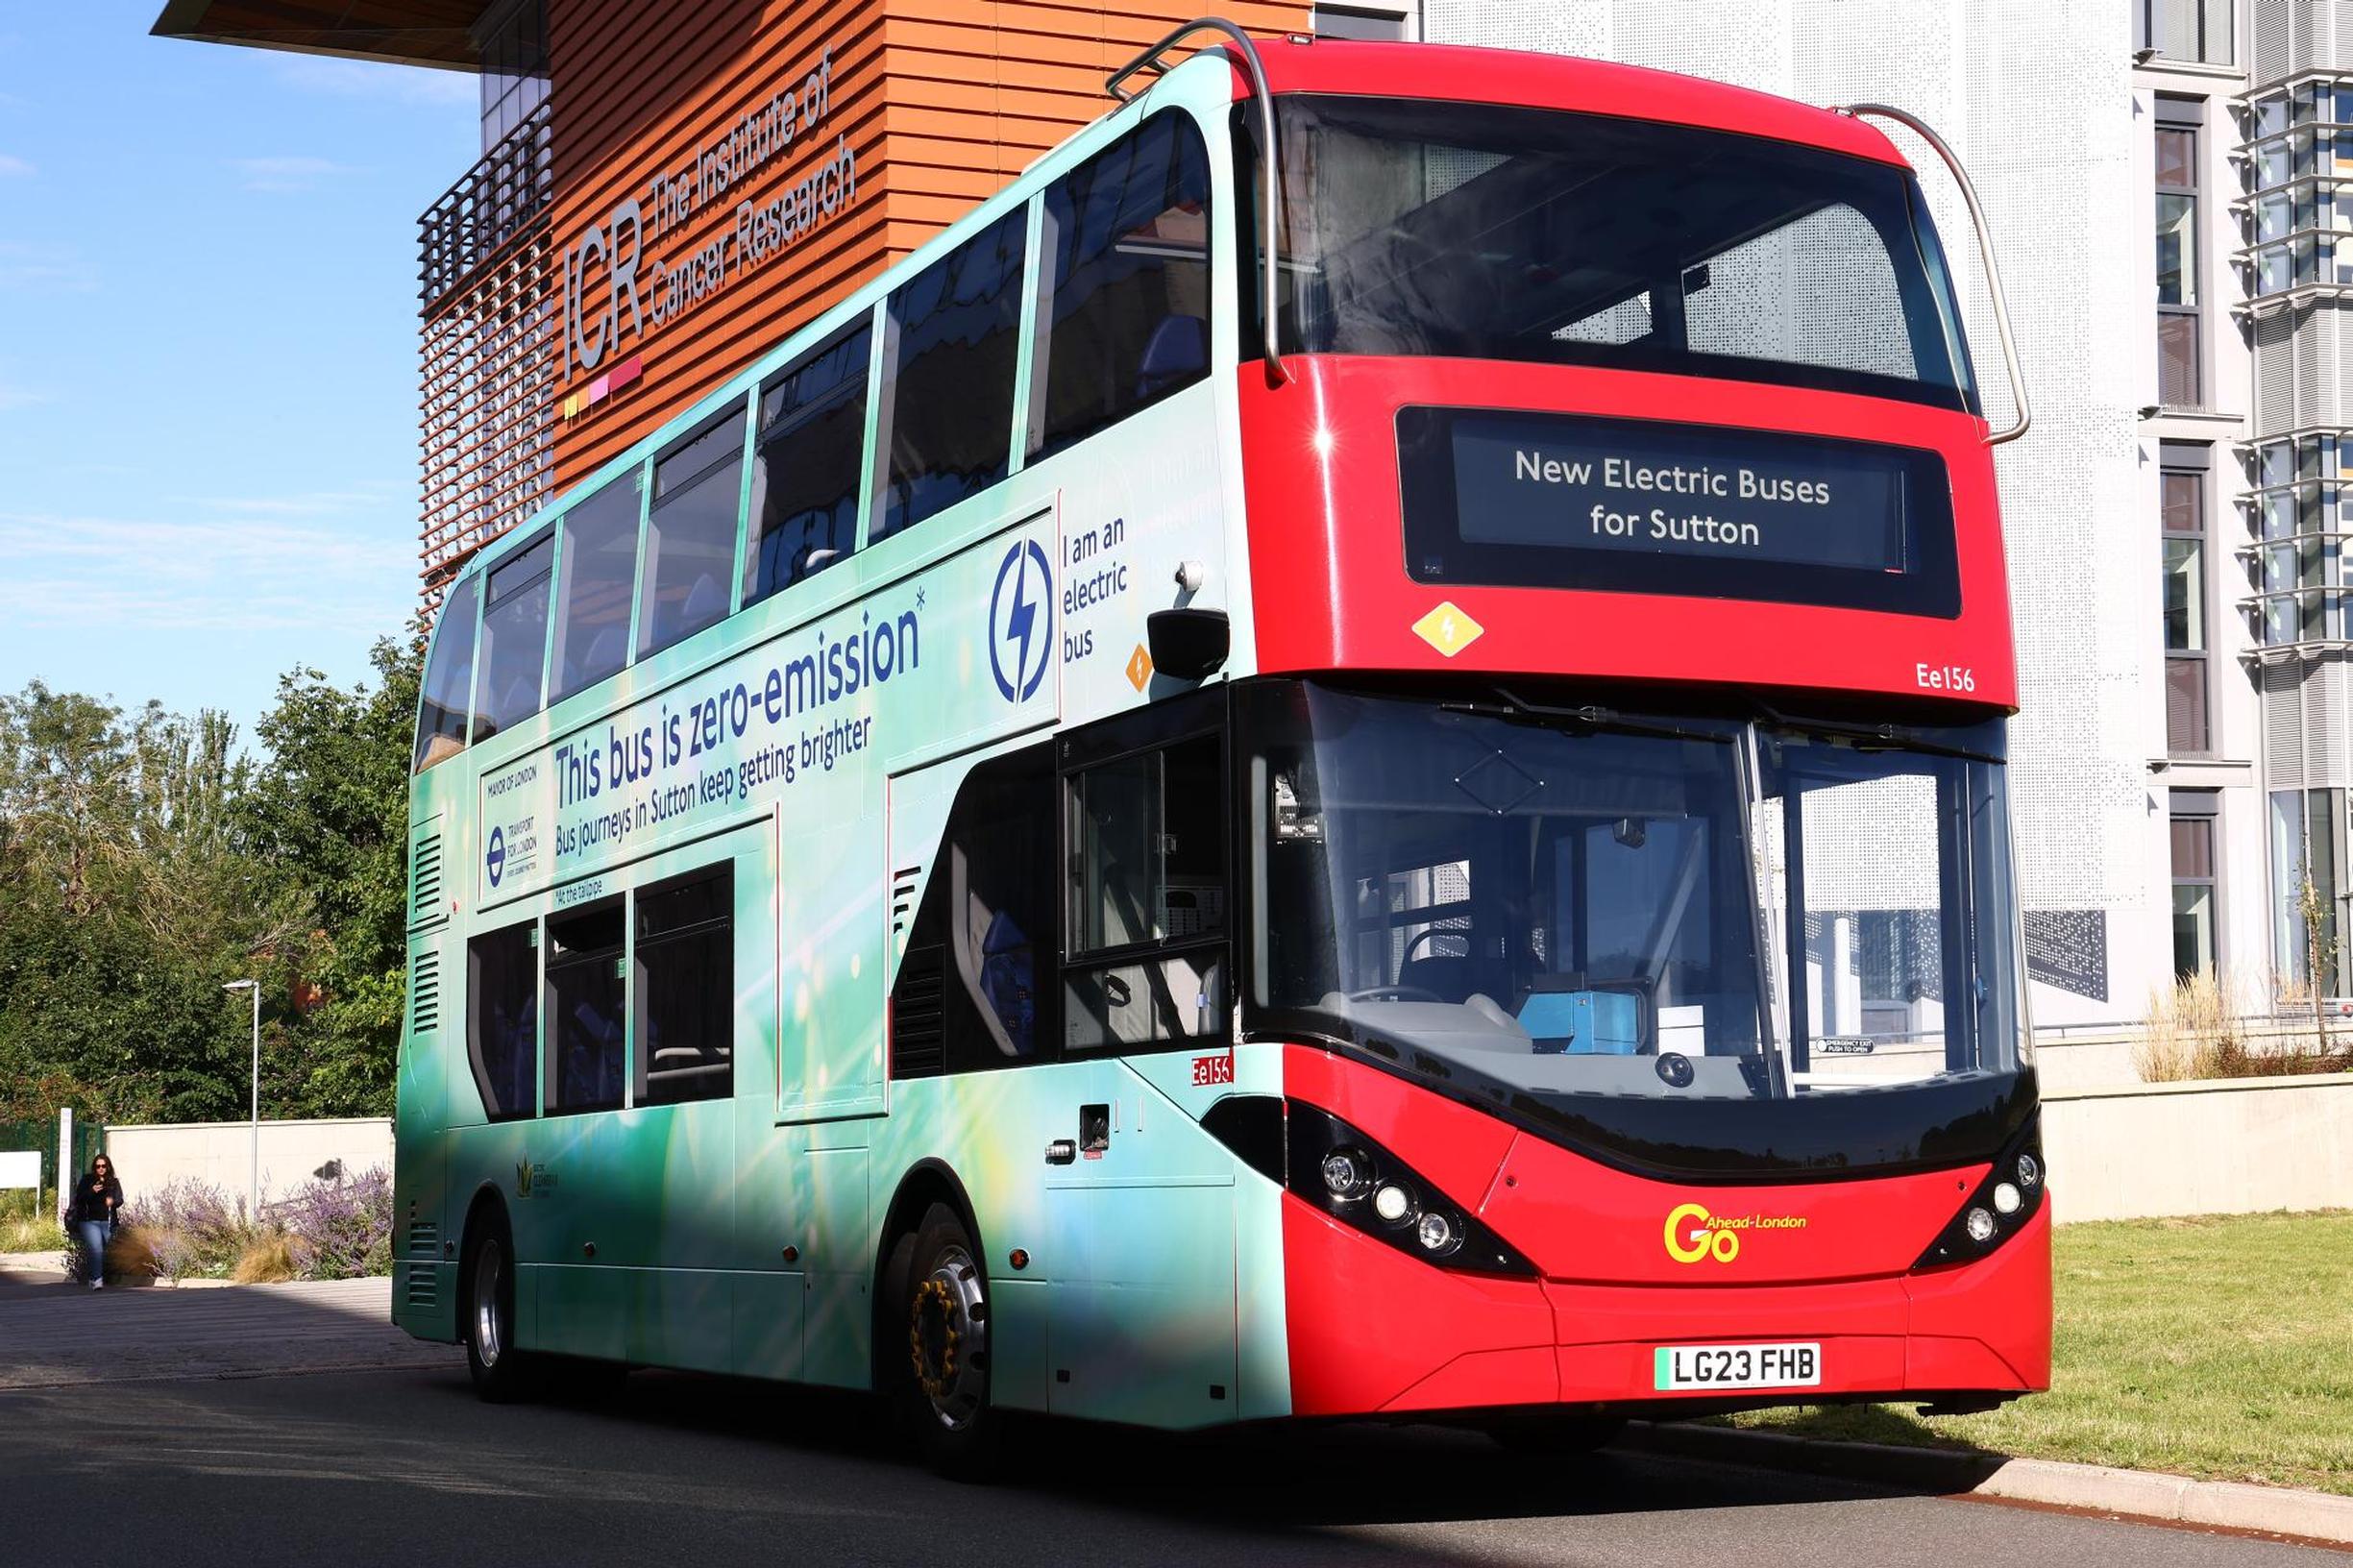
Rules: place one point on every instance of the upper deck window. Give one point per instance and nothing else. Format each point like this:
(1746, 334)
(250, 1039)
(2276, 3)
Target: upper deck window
(449, 676)
(954, 334)
(690, 534)
(592, 635)
(1126, 249)
(514, 639)
(804, 485)
(1488, 232)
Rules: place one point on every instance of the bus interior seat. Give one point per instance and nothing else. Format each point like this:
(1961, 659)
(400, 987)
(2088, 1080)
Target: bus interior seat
(604, 656)
(1441, 974)
(704, 603)
(1177, 350)
(993, 961)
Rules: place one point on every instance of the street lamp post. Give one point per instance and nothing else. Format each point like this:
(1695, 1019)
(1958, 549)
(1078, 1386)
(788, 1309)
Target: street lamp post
(252, 1189)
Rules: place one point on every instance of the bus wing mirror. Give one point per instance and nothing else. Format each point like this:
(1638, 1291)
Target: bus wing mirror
(1985, 253)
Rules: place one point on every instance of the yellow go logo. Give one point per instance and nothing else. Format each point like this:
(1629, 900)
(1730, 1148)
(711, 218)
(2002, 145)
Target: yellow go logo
(1702, 1241)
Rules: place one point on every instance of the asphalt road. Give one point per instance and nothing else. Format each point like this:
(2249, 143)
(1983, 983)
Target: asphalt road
(250, 1467)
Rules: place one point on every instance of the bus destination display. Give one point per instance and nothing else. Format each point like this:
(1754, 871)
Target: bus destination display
(1521, 483)
(1639, 505)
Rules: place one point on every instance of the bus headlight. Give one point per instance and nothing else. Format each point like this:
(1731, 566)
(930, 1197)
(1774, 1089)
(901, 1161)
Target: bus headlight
(1437, 1235)
(1346, 1172)
(2007, 1195)
(1352, 1180)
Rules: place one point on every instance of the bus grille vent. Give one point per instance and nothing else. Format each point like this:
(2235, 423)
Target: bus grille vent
(903, 889)
(424, 1284)
(424, 993)
(425, 879)
(424, 1238)
(918, 1041)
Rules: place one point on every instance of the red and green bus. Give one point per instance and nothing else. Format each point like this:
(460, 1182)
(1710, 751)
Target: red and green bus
(1141, 824)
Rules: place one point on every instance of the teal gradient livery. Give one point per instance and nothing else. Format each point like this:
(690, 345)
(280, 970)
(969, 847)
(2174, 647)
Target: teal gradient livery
(1047, 849)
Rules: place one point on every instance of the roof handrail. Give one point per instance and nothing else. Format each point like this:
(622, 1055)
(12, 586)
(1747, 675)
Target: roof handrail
(1270, 184)
(1985, 252)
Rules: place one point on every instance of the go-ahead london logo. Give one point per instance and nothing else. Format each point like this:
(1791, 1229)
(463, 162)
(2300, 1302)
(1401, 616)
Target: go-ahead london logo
(495, 861)
(1021, 622)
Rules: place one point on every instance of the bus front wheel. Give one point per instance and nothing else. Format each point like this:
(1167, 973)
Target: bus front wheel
(944, 1315)
(502, 1373)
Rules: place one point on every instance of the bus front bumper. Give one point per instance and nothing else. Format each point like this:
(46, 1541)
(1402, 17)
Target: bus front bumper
(1373, 1331)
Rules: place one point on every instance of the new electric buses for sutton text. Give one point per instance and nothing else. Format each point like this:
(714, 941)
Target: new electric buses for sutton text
(1052, 848)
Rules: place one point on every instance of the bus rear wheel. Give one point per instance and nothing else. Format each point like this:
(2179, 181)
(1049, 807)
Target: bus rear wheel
(944, 1315)
(502, 1373)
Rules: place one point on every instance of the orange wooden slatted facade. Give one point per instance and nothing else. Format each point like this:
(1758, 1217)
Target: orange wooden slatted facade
(939, 101)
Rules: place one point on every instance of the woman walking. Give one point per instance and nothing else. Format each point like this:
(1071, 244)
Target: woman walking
(97, 1198)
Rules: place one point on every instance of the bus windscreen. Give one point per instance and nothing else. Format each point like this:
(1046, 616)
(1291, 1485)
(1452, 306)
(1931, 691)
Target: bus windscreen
(1621, 505)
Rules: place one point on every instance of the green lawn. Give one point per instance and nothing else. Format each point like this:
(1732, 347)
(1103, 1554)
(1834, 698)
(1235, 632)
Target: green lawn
(2220, 1348)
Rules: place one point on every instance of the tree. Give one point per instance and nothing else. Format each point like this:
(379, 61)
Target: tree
(329, 813)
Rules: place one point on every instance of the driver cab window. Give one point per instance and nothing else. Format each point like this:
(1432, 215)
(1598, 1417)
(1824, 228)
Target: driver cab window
(1147, 890)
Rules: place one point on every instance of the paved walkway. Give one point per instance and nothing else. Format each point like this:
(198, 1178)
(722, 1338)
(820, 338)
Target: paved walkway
(55, 1335)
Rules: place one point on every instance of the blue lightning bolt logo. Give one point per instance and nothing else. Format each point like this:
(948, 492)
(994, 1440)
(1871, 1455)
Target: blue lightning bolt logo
(1020, 620)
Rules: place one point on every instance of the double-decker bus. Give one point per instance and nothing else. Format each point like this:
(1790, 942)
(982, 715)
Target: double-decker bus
(1141, 824)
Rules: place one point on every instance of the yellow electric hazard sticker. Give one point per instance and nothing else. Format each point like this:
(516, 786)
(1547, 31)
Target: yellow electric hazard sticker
(1448, 629)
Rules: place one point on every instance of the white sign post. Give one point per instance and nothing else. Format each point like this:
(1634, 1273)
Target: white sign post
(65, 1152)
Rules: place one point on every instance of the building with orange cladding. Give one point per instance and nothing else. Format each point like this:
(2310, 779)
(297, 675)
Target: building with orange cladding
(666, 191)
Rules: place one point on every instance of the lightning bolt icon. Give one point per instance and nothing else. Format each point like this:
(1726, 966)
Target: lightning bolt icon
(1018, 619)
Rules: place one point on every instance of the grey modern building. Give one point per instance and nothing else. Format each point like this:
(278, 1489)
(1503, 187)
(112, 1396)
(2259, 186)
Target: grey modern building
(2185, 750)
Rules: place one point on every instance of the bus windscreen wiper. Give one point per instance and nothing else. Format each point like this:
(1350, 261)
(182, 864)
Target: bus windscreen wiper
(1876, 737)
(1590, 718)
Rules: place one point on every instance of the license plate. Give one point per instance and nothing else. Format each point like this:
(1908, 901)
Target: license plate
(1682, 1367)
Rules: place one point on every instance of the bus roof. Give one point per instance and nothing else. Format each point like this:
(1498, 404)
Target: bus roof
(1567, 82)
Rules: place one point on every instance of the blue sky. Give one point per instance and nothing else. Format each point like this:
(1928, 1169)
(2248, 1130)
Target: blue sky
(208, 355)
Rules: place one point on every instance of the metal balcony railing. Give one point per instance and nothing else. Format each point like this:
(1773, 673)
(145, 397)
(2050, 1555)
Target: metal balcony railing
(501, 196)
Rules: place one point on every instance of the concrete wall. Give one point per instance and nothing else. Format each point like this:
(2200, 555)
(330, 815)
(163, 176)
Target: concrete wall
(2234, 1146)
(221, 1152)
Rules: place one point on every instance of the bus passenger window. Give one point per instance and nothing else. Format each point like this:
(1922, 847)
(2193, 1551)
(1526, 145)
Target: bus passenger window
(514, 640)
(449, 679)
(804, 481)
(1126, 243)
(949, 426)
(585, 1010)
(1146, 929)
(502, 1020)
(690, 534)
(686, 989)
(592, 632)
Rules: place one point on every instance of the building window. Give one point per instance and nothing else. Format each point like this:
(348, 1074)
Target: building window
(2308, 856)
(2193, 829)
(1386, 21)
(2199, 30)
(2297, 520)
(514, 45)
(2181, 491)
(2295, 156)
(2179, 317)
